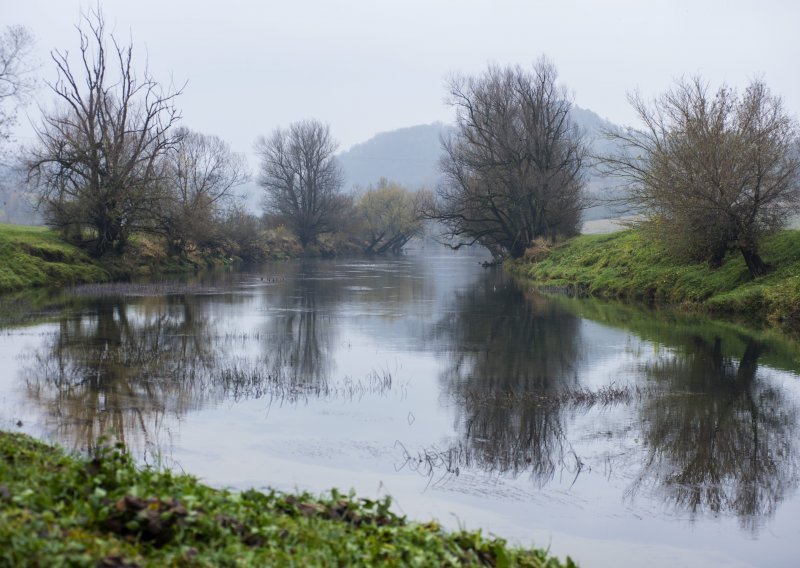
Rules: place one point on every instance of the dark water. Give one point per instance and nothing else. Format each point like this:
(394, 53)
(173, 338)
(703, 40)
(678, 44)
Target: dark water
(610, 433)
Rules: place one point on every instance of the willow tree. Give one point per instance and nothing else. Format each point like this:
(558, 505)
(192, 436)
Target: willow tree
(710, 172)
(513, 169)
(97, 164)
(390, 215)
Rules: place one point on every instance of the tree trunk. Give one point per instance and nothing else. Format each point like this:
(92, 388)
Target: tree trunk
(753, 260)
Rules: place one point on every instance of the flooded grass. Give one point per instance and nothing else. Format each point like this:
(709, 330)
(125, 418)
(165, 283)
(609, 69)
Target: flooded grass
(574, 398)
(268, 379)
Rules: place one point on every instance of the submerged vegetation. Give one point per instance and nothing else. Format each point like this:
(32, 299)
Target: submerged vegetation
(629, 265)
(103, 511)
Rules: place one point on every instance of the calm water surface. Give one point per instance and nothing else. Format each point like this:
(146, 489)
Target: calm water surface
(605, 432)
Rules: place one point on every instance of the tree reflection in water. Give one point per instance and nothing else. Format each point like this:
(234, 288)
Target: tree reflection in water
(720, 433)
(300, 338)
(116, 367)
(117, 371)
(505, 353)
(728, 447)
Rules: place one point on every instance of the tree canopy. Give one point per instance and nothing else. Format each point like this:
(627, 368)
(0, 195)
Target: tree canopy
(301, 178)
(98, 160)
(710, 172)
(513, 169)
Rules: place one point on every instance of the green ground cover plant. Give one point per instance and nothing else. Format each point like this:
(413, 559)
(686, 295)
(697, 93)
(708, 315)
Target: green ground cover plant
(102, 510)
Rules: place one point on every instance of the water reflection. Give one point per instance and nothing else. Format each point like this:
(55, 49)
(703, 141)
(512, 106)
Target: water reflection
(709, 411)
(719, 432)
(117, 370)
(301, 336)
(728, 446)
(507, 355)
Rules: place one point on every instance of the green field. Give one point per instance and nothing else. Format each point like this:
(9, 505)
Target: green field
(61, 510)
(627, 265)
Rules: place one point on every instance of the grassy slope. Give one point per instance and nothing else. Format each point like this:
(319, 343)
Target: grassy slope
(62, 510)
(34, 256)
(627, 265)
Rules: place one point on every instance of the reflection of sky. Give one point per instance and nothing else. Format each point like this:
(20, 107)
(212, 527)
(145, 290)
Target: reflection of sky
(377, 319)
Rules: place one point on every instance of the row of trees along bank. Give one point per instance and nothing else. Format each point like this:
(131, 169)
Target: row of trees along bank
(111, 161)
(707, 172)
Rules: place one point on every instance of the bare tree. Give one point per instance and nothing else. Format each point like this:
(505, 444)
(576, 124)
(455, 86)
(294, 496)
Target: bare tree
(98, 163)
(201, 173)
(301, 178)
(710, 172)
(514, 167)
(16, 82)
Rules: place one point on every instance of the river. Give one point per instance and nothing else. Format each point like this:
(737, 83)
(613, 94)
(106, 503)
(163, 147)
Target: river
(615, 434)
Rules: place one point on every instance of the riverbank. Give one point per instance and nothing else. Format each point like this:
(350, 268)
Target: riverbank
(627, 265)
(104, 511)
(32, 257)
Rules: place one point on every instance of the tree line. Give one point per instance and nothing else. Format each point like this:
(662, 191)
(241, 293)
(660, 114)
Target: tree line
(707, 172)
(111, 161)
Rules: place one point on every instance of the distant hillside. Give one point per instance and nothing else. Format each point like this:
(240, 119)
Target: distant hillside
(410, 156)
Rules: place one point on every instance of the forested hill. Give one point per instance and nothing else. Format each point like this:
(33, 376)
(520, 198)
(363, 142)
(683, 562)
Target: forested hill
(410, 155)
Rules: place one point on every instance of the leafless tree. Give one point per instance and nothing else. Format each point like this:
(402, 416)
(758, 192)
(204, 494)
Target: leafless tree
(16, 81)
(301, 178)
(513, 170)
(710, 172)
(201, 173)
(97, 164)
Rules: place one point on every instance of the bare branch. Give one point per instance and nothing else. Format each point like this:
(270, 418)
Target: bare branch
(513, 171)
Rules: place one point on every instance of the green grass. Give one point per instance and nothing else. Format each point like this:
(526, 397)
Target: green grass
(61, 510)
(628, 265)
(35, 256)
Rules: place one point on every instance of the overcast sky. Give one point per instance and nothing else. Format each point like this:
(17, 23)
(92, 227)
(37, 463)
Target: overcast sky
(367, 66)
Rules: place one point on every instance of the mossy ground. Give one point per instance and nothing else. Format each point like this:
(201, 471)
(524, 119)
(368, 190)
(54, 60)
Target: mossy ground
(628, 265)
(62, 510)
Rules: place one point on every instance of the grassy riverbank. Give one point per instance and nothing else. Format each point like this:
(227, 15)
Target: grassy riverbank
(627, 265)
(57, 509)
(35, 256)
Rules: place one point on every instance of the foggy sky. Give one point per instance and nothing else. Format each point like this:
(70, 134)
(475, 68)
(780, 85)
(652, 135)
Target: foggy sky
(366, 66)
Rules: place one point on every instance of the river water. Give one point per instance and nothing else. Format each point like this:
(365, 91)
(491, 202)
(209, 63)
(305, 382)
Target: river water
(615, 434)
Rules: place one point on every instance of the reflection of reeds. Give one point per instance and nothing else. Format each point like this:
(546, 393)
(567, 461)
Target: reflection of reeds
(442, 465)
(247, 379)
(565, 398)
